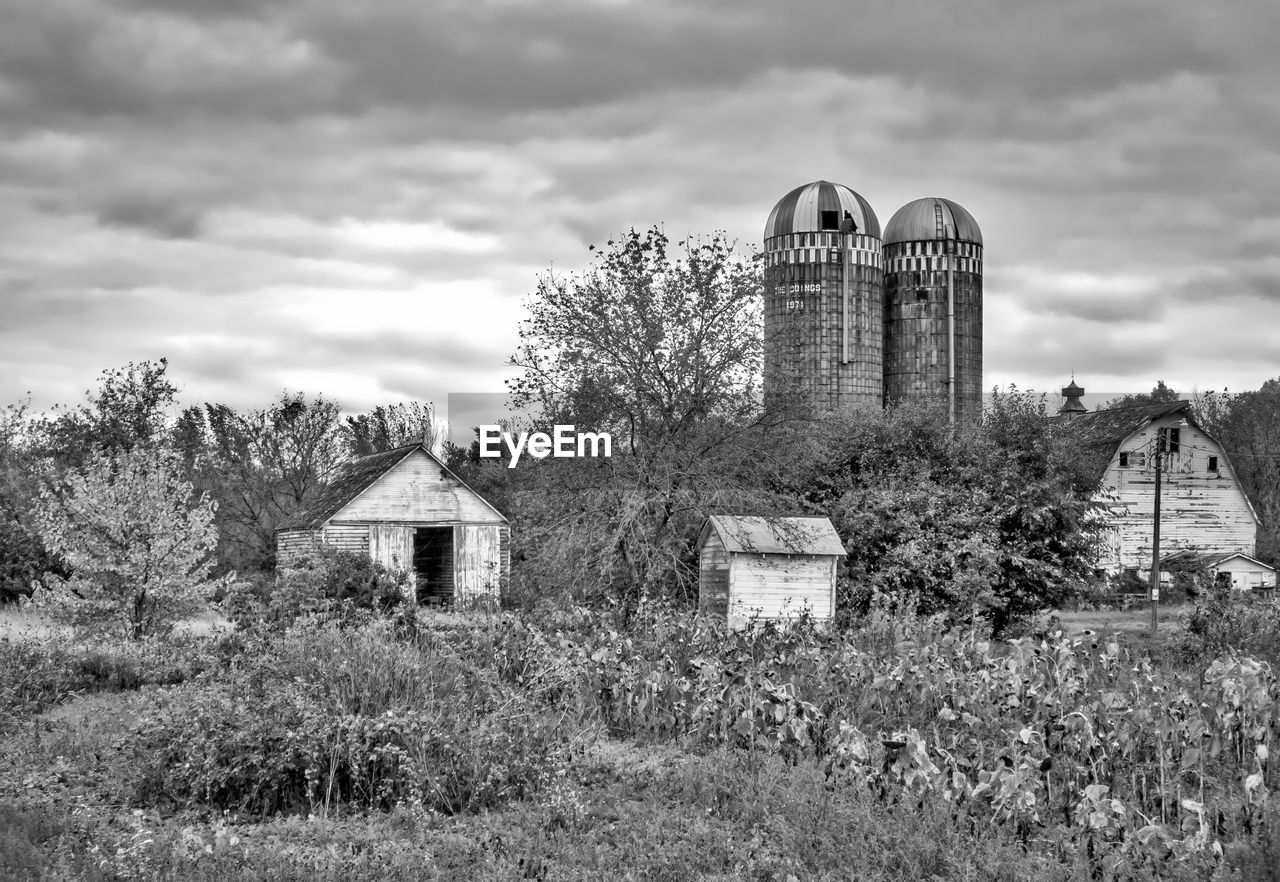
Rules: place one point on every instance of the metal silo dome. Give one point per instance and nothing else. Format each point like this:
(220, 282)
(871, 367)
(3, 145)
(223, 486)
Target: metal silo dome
(933, 306)
(823, 300)
(820, 206)
(920, 221)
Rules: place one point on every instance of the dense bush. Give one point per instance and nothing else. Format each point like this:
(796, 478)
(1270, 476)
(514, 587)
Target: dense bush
(36, 674)
(332, 715)
(1226, 619)
(328, 582)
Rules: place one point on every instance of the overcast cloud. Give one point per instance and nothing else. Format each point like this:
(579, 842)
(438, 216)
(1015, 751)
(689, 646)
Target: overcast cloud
(354, 198)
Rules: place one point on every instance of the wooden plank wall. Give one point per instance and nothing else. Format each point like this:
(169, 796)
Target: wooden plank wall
(292, 545)
(348, 537)
(778, 586)
(477, 559)
(1200, 510)
(418, 491)
(392, 546)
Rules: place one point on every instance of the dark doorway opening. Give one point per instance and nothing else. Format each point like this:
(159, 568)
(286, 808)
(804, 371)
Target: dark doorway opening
(433, 564)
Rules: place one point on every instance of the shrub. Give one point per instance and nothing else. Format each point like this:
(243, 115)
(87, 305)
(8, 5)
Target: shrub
(334, 715)
(328, 582)
(1226, 619)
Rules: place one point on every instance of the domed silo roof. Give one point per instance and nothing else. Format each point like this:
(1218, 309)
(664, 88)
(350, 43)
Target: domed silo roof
(917, 221)
(802, 211)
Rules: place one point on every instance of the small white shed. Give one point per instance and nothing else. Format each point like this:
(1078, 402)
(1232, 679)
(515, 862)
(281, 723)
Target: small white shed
(767, 567)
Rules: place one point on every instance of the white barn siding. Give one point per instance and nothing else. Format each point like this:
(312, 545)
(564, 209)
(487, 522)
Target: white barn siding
(418, 491)
(1199, 510)
(348, 537)
(778, 586)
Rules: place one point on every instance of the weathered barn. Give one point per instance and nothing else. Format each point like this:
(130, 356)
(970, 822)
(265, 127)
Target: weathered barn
(406, 510)
(767, 568)
(1203, 508)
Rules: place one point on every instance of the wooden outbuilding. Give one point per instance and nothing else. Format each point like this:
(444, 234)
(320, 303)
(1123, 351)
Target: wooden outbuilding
(767, 568)
(406, 510)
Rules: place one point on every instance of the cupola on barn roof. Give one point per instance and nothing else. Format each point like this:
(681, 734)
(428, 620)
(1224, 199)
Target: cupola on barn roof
(802, 211)
(917, 221)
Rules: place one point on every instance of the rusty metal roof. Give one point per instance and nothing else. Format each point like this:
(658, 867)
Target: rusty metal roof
(800, 211)
(919, 221)
(774, 535)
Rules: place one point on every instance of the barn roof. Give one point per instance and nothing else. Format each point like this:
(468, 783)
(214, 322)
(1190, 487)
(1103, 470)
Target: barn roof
(354, 478)
(774, 535)
(1099, 433)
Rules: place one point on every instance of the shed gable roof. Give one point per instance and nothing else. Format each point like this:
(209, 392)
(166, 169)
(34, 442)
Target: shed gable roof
(356, 477)
(774, 535)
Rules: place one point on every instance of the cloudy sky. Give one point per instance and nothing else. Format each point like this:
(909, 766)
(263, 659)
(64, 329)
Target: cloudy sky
(354, 198)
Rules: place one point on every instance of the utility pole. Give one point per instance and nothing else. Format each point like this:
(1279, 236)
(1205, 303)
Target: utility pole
(1155, 538)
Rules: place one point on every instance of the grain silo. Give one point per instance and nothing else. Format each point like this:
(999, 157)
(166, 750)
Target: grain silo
(933, 306)
(823, 319)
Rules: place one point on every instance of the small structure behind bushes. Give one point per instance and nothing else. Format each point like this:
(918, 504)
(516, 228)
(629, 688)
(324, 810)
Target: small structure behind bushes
(767, 568)
(405, 510)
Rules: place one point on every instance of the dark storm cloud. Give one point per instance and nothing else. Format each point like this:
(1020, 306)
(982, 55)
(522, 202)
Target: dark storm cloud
(240, 176)
(157, 214)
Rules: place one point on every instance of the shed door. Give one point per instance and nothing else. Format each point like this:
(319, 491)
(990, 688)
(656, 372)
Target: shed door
(477, 560)
(391, 546)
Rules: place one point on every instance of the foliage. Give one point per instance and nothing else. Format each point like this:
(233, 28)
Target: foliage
(331, 716)
(23, 557)
(990, 521)
(260, 466)
(1159, 394)
(662, 351)
(328, 581)
(1225, 619)
(138, 544)
(389, 426)
(130, 408)
(1247, 425)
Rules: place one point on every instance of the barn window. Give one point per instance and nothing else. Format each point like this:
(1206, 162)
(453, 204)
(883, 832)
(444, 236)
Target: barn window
(1124, 459)
(830, 220)
(1213, 464)
(1172, 440)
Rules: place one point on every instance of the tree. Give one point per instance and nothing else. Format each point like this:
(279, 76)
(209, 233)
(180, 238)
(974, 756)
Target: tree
(140, 545)
(1159, 394)
(989, 521)
(663, 352)
(261, 466)
(1247, 424)
(131, 407)
(23, 557)
(387, 427)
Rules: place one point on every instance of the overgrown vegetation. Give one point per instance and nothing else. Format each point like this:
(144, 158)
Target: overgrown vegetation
(567, 746)
(598, 727)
